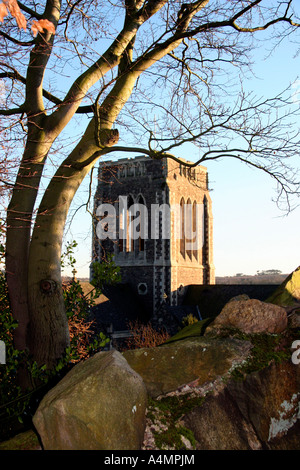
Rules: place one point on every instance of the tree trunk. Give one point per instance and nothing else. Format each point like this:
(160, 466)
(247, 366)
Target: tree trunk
(19, 221)
(48, 328)
(21, 208)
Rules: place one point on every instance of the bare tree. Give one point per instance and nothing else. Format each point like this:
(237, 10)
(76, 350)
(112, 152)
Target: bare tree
(137, 62)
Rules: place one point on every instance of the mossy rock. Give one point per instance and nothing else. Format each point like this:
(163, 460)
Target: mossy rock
(24, 441)
(190, 331)
(193, 360)
(165, 416)
(288, 293)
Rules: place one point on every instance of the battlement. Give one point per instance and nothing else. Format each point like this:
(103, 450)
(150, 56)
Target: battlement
(142, 166)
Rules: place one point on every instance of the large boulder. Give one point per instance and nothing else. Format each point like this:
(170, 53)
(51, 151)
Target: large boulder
(99, 405)
(219, 425)
(260, 412)
(196, 360)
(250, 316)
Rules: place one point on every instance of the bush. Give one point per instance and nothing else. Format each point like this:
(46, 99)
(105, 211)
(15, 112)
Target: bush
(83, 341)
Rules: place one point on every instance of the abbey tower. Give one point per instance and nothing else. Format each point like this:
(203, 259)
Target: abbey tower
(155, 217)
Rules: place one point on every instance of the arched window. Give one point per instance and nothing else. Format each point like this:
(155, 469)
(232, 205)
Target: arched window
(142, 224)
(195, 229)
(182, 224)
(188, 228)
(122, 223)
(130, 217)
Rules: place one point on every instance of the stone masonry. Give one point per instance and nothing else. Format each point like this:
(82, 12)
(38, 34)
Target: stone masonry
(162, 235)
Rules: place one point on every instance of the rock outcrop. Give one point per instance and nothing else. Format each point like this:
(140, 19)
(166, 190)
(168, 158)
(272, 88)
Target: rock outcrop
(252, 414)
(100, 404)
(200, 390)
(194, 360)
(250, 316)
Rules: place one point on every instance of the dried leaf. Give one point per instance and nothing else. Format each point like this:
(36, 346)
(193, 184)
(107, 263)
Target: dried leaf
(15, 11)
(3, 12)
(42, 25)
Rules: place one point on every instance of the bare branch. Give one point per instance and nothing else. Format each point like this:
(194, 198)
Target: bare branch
(49, 96)
(16, 41)
(30, 12)
(12, 112)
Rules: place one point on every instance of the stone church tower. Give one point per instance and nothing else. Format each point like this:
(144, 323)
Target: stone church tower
(155, 217)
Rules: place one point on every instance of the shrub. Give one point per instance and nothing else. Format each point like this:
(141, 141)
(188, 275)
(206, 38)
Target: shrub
(83, 341)
(145, 336)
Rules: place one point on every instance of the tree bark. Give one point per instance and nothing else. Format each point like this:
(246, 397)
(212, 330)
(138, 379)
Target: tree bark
(21, 206)
(48, 328)
(19, 221)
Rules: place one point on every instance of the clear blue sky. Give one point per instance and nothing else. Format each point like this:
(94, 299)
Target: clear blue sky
(250, 232)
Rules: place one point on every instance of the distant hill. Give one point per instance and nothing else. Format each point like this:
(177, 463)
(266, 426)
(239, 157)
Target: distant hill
(229, 280)
(256, 279)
